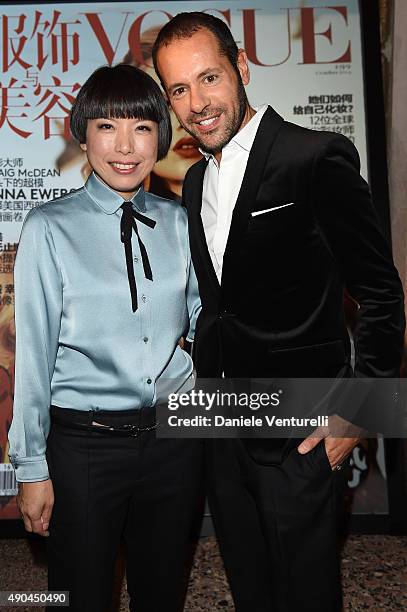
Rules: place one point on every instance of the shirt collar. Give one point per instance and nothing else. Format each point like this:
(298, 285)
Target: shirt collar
(107, 199)
(245, 137)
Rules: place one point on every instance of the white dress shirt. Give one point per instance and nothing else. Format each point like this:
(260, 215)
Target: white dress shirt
(221, 186)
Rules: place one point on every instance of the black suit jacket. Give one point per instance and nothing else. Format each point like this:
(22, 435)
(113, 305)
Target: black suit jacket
(279, 309)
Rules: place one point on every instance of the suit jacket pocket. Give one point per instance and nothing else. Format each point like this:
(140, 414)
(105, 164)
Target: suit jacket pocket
(280, 217)
(274, 208)
(311, 361)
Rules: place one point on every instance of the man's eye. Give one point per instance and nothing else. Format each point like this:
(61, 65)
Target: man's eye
(177, 92)
(211, 78)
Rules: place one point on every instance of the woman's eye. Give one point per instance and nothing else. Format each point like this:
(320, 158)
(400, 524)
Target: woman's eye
(143, 128)
(105, 126)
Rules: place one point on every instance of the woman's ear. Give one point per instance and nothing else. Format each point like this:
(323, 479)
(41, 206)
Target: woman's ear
(83, 146)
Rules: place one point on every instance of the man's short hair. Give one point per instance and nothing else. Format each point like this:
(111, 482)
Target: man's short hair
(121, 92)
(185, 25)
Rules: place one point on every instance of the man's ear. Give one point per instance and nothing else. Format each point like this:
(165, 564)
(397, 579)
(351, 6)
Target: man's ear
(83, 146)
(243, 66)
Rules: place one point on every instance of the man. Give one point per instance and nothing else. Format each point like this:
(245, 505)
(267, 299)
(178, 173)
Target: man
(280, 223)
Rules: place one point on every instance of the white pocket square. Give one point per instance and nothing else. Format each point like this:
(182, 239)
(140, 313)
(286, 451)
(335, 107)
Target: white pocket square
(261, 212)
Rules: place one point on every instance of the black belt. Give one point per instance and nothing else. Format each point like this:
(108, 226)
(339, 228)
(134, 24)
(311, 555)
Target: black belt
(90, 421)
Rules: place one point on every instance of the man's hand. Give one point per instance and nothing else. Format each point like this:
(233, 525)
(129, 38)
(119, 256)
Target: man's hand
(340, 438)
(35, 501)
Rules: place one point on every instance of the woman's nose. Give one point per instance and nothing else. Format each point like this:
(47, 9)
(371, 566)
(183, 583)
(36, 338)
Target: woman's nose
(124, 142)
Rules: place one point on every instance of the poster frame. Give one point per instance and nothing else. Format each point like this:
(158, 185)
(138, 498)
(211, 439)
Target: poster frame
(395, 522)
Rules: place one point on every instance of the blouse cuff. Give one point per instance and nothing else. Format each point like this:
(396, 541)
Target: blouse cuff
(30, 469)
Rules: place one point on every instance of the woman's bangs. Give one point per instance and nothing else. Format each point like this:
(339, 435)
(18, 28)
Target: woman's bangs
(122, 107)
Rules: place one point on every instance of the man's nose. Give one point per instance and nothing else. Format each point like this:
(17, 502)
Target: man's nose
(199, 100)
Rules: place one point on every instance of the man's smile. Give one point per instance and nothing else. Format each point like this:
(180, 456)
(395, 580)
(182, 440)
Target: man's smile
(208, 123)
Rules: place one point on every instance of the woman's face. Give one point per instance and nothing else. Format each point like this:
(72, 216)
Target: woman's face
(122, 152)
(182, 154)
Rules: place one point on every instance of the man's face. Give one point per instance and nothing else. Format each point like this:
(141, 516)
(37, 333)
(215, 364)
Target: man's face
(203, 88)
(122, 152)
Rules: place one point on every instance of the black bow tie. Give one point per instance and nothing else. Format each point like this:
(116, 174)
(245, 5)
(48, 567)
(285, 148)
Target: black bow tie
(127, 224)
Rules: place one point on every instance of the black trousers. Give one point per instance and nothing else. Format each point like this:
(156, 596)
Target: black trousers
(144, 490)
(277, 527)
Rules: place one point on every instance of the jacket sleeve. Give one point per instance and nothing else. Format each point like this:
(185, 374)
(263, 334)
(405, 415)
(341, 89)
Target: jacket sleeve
(194, 305)
(38, 307)
(193, 302)
(349, 222)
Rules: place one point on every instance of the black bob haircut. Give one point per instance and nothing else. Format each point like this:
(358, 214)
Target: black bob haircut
(185, 25)
(121, 92)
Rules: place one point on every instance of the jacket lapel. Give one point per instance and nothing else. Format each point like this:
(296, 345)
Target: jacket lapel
(266, 134)
(198, 240)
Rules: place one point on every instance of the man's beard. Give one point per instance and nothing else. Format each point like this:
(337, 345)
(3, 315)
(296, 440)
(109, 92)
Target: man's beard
(231, 127)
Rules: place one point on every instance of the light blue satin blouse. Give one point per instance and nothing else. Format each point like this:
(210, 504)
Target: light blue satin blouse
(78, 343)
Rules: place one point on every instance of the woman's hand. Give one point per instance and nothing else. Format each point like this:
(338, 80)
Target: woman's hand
(35, 501)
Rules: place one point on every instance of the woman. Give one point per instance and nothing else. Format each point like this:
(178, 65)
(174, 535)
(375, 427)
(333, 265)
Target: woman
(104, 290)
(168, 174)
